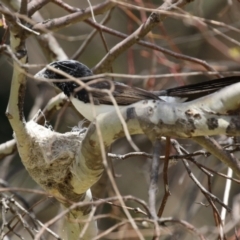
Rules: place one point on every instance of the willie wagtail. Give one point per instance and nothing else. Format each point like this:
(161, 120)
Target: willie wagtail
(123, 94)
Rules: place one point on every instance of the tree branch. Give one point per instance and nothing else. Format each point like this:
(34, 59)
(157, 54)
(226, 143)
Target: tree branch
(74, 17)
(154, 19)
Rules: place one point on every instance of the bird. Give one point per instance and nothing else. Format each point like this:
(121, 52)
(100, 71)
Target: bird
(124, 95)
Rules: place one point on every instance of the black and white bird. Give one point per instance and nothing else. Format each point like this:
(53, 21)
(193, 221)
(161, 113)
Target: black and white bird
(123, 94)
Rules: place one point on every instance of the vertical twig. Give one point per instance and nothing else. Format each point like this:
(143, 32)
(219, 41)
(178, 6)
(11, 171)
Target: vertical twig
(216, 214)
(226, 194)
(154, 178)
(23, 8)
(154, 185)
(108, 170)
(165, 178)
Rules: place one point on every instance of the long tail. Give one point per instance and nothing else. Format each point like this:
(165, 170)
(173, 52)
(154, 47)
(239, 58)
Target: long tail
(193, 91)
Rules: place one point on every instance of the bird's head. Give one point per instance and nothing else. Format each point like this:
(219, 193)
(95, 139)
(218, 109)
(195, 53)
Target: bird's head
(71, 67)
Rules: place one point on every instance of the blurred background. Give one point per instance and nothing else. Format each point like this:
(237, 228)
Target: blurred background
(181, 35)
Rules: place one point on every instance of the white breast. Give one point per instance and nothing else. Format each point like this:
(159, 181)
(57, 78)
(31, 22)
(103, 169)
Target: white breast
(86, 109)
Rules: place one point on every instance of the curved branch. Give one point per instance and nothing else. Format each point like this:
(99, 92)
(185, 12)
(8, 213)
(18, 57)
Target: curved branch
(74, 17)
(153, 20)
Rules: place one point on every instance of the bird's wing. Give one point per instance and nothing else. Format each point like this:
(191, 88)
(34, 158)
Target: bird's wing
(193, 91)
(126, 95)
(123, 94)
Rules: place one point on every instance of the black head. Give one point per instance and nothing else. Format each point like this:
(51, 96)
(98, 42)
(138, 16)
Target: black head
(71, 67)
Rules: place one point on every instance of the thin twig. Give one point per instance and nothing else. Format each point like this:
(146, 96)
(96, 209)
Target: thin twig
(23, 7)
(104, 161)
(153, 187)
(165, 178)
(90, 37)
(226, 193)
